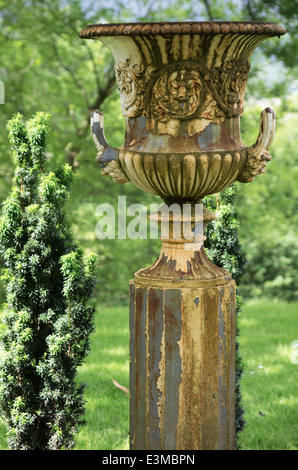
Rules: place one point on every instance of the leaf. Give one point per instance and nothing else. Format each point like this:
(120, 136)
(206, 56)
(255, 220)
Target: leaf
(121, 387)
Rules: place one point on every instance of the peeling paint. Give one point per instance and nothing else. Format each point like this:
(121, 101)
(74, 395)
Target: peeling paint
(186, 358)
(189, 368)
(173, 364)
(182, 88)
(155, 330)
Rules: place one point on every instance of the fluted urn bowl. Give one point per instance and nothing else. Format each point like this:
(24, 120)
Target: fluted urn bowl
(182, 88)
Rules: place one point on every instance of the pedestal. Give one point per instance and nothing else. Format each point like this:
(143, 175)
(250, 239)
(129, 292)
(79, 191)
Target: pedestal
(182, 353)
(182, 88)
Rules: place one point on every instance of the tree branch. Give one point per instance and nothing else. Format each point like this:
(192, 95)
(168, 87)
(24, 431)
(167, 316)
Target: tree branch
(249, 10)
(68, 69)
(208, 9)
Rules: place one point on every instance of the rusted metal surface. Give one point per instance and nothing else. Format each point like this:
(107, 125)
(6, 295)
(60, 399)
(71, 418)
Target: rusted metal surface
(182, 88)
(155, 337)
(188, 27)
(182, 329)
(183, 178)
(185, 378)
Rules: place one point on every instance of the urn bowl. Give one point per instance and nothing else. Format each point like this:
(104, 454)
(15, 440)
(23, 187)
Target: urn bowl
(182, 88)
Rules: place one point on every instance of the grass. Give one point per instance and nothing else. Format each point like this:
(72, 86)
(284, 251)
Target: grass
(107, 410)
(269, 385)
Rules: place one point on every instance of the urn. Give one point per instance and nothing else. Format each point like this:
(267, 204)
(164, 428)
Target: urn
(182, 88)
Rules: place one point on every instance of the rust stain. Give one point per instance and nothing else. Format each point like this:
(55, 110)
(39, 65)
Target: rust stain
(189, 344)
(163, 28)
(155, 328)
(182, 88)
(181, 95)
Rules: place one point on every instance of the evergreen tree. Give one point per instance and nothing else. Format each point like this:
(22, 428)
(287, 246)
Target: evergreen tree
(48, 317)
(224, 250)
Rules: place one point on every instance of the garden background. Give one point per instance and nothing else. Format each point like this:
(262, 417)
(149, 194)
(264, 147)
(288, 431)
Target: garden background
(46, 67)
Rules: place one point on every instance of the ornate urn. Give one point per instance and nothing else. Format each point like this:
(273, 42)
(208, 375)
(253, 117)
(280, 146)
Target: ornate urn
(182, 88)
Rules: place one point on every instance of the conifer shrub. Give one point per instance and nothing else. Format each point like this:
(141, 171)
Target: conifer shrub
(224, 249)
(48, 315)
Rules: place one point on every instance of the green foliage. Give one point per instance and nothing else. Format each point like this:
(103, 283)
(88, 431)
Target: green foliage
(273, 268)
(48, 318)
(44, 65)
(268, 210)
(224, 249)
(284, 12)
(269, 383)
(223, 244)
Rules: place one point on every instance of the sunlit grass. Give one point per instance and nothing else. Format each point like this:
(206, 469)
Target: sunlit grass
(269, 385)
(107, 411)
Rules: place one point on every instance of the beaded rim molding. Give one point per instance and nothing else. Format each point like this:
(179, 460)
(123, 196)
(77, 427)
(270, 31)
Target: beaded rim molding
(189, 27)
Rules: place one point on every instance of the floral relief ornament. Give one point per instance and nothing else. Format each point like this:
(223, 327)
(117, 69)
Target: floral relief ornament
(182, 91)
(187, 90)
(228, 85)
(132, 82)
(177, 94)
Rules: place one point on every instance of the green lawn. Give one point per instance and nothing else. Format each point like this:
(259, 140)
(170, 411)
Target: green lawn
(107, 411)
(269, 385)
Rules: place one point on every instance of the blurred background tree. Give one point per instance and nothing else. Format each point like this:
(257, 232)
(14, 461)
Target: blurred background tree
(46, 67)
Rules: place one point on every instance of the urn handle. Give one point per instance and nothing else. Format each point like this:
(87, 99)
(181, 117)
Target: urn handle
(107, 157)
(258, 154)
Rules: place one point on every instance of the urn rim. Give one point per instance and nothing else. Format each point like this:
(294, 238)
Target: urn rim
(182, 27)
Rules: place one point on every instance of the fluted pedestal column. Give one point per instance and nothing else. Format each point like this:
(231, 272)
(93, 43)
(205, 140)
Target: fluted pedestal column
(182, 352)
(182, 88)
